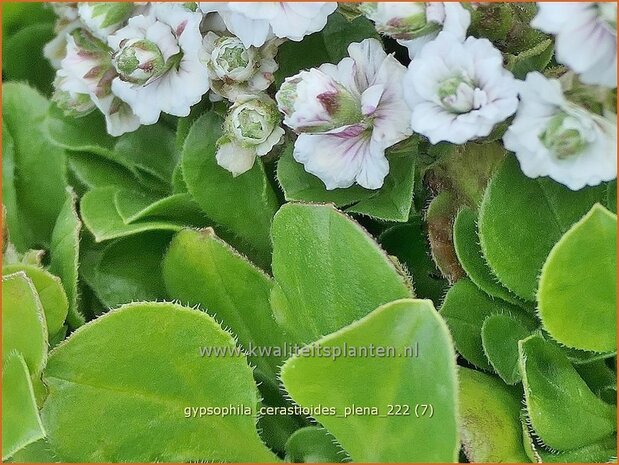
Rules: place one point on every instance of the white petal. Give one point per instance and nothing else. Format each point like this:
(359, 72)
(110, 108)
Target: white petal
(235, 158)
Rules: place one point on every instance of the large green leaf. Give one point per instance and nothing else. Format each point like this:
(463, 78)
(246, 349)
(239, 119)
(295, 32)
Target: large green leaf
(40, 171)
(470, 255)
(129, 269)
(201, 269)
(561, 408)
(577, 296)
(425, 386)
(65, 255)
(108, 403)
(328, 271)
(521, 219)
(465, 309)
(21, 424)
(244, 205)
(489, 419)
(50, 294)
(23, 321)
(104, 222)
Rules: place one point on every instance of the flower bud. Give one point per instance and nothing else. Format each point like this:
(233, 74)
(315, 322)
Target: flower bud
(103, 18)
(314, 102)
(459, 95)
(139, 61)
(404, 21)
(252, 121)
(71, 102)
(566, 135)
(232, 61)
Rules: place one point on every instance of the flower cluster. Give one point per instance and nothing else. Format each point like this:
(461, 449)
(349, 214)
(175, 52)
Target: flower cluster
(134, 62)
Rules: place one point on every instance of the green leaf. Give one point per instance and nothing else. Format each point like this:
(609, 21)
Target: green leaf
(425, 434)
(151, 149)
(313, 444)
(561, 408)
(85, 134)
(408, 242)
(107, 403)
(104, 222)
(50, 294)
(328, 271)
(129, 269)
(516, 238)
(21, 424)
(40, 171)
(470, 255)
(394, 200)
(489, 419)
(201, 269)
(465, 309)
(244, 205)
(500, 335)
(65, 255)
(95, 171)
(577, 296)
(136, 206)
(23, 60)
(23, 321)
(300, 185)
(534, 59)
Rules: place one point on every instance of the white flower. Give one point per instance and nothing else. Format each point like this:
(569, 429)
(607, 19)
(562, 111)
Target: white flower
(414, 24)
(235, 69)
(251, 129)
(255, 22)
(586, 38)
(458, 91)
(554, 137)
(104, 18)
(87, 70)
(348, 115)
(157, 57)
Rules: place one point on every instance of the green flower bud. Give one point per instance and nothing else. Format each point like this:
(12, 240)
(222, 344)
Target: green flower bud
(105, 14)
(252, 122)
(139, 61)
(72, 103)
(564, 136)
(405, 20)
(457, 94)
(230, 59)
